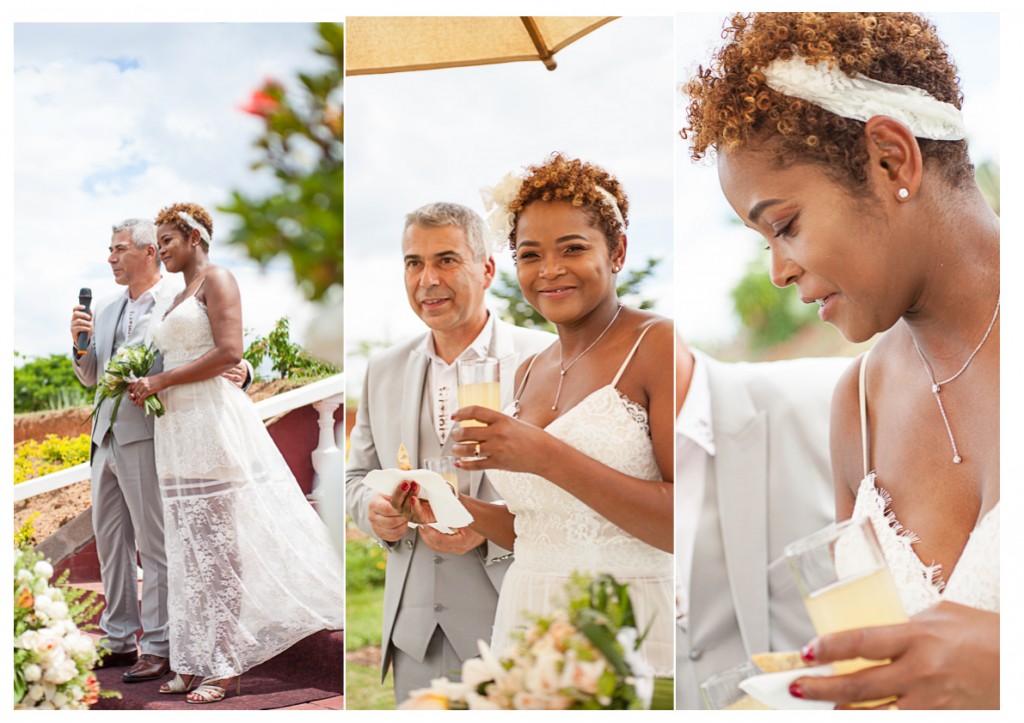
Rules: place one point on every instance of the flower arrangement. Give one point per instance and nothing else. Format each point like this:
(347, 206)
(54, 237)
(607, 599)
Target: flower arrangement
(131, 363)
(53, 658)
(496, 200)
(584, 657)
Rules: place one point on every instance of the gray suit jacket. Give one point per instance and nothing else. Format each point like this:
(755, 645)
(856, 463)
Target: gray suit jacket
(768, 484)
(132, 424)
(464, 587)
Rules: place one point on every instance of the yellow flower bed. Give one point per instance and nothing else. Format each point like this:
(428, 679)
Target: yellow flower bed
(35, 459)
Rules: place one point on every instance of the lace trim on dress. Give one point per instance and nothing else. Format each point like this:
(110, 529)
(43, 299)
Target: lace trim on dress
(882, 501)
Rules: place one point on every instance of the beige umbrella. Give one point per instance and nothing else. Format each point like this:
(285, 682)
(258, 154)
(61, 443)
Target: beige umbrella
(395, 44)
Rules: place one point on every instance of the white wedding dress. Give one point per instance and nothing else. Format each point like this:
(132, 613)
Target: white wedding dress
(251, 568)
(975, 579)
(557, 534)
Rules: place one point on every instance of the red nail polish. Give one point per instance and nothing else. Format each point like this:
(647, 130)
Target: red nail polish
(413, 486)
(405, 486)
(796, 690)
(807, 653)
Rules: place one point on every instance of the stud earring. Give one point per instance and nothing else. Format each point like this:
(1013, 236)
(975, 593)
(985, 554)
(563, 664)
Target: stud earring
(903, 193)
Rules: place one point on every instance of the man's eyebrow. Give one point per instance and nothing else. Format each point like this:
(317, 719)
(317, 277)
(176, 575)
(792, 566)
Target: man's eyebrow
(760, 207)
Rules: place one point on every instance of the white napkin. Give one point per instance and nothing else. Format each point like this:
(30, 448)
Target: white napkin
(446, 506)
(772, 689)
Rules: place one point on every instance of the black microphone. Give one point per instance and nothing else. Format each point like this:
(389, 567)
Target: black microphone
(85, 299)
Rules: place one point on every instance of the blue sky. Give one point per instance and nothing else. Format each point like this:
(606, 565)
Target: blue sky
(118, 120)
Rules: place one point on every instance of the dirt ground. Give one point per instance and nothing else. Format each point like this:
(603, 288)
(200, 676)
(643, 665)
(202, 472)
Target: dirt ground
(59, 507)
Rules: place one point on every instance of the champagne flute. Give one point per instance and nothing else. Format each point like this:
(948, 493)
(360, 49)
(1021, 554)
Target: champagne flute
(722, 690)
(444, 466)
(846, 584)
(479, 385)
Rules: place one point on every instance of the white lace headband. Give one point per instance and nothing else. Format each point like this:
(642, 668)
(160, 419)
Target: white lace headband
(498, 198)
(860, 98)
(203, 233)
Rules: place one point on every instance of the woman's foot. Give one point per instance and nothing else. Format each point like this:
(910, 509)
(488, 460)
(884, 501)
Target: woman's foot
(213, 690)
(178, 684)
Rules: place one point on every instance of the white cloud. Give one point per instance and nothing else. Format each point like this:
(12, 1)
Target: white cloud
(115, 121)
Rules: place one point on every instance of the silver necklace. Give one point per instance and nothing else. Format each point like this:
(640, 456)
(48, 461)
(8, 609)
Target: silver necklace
(937, 386)
(564, 369)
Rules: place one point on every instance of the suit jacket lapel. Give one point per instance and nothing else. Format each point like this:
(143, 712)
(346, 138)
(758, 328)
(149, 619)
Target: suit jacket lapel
(412, 401)
(106, 333)
(741, 483)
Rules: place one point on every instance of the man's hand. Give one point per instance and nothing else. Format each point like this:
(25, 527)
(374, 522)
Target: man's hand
(387, 523)
(237, 374)
(459, 543)
(946, 657)
(80, 321)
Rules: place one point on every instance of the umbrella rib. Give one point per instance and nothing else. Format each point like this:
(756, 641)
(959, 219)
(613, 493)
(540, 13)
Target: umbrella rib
(545, 55)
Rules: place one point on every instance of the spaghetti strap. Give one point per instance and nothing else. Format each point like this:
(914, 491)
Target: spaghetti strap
(863, 394)
(522, 384)
(632, 351)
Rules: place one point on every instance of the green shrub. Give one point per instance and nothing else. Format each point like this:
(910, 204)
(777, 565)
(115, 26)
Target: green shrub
(364, 564)
(35, 459)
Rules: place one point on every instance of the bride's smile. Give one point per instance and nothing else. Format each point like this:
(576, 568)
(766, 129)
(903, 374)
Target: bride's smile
(566, 266)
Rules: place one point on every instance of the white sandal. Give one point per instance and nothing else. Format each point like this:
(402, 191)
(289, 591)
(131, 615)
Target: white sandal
(177, 685)
(209, 692)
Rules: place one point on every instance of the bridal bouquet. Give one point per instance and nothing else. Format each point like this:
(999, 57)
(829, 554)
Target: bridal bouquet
(131, 363)
(53, 659)
(581, 658)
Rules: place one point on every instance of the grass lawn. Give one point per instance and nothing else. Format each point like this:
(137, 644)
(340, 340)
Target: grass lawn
(363, 689)
(363, 611)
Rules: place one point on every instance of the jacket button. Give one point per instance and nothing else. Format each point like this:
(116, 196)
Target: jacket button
(695, 654)
(438, 607)
(408, 543)
(437, 560)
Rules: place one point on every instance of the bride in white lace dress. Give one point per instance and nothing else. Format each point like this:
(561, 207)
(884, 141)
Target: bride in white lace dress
(251, 566)
(839, 138)
(583, 459)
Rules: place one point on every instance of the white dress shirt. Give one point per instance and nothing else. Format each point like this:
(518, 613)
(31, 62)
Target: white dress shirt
(444, 379)
(135, 309)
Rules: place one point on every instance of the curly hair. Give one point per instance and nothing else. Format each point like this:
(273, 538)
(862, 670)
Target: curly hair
(730, 105)
(170, 215)
(575, 181)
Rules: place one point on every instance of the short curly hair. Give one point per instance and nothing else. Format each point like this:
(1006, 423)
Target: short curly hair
(730, 105)
(170, 215)
(570, 179)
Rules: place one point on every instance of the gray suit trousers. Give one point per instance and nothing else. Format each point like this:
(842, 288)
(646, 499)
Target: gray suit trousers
(127, 511)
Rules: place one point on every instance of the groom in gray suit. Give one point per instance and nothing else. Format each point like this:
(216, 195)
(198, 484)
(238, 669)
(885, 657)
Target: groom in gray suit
(440, 590)
(753, 474)
(127, 512)
(126, 508)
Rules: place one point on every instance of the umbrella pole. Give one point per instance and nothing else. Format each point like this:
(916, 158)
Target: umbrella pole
(545, 55)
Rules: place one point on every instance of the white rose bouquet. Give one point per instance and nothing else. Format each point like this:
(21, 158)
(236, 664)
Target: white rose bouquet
(53, 658)
(131, 363)
(582, 658)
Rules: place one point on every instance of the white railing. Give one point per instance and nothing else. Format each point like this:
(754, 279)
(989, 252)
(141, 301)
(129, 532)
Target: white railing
(324, 395)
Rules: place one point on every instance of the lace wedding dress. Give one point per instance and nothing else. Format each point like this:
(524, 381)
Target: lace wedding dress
(251, 568)
(975, 580)
(557, 534)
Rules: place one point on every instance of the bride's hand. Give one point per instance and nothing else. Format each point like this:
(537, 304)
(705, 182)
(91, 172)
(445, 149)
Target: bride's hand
(145, 387)
(946, 657)
(505, 443)
(406, 502)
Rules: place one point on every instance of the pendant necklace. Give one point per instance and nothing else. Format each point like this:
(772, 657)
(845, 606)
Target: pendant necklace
(564, 369)
(937, 386)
